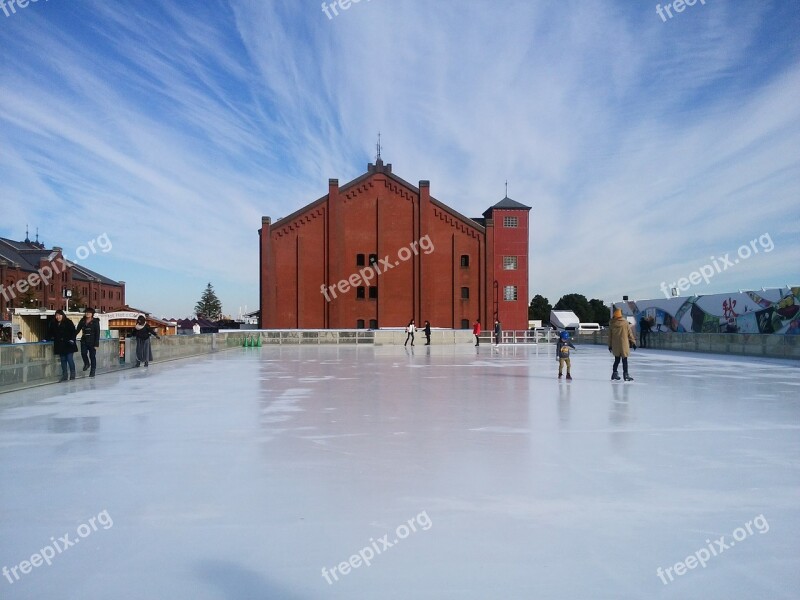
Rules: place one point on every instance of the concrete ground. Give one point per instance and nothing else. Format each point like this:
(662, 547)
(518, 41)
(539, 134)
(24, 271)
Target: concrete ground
(444, 472)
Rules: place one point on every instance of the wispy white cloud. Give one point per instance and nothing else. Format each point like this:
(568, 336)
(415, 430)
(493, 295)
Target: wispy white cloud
(642, 146)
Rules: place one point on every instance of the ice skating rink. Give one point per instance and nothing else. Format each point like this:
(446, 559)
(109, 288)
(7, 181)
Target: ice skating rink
(299, 473)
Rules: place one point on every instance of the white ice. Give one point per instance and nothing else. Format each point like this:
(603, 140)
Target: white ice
(242, 474)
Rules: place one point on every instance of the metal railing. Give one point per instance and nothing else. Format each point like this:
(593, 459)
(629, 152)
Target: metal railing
(523, 336)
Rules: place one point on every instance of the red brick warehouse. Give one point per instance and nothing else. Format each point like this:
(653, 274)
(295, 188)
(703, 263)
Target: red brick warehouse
(435, 263)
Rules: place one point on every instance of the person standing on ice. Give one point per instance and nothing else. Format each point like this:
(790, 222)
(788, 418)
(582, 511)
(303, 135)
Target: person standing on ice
(62, 332)
(620, 342)
(410, 332)
(427, 331)
(644, 330)
(498, 332)
(476, 331)
(562, 353)
(142, 332)
(90, 340)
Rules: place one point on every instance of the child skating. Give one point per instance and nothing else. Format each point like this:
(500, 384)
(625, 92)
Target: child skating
(562, 354)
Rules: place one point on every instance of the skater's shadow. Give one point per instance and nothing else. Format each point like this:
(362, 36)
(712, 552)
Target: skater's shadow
(236, 582)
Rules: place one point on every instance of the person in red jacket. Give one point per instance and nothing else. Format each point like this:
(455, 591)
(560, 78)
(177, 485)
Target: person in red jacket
(476, 331)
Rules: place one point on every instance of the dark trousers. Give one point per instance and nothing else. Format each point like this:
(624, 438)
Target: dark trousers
(624, 360)
(67, 361)
(410, 336)
(477, 339)
(427, 339)
(643, 336)
(89, 356)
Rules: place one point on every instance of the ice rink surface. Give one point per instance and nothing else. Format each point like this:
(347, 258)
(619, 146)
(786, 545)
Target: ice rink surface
(467, 473)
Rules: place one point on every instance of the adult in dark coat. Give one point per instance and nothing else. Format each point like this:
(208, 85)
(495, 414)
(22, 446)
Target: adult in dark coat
(90, 340)
(427, 331)
(62, 333)
(644, 331)
(142, 332)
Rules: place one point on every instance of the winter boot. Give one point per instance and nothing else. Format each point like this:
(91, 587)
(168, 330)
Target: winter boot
(614, 376)
(627, 377)
(137, 364)
(85, 367)
(569, 376)
(91, 373)
(560, 375)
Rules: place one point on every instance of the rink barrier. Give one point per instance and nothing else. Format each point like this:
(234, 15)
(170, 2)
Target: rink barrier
(740, 344)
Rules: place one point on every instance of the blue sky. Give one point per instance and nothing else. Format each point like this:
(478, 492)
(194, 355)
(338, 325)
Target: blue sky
(644, 147)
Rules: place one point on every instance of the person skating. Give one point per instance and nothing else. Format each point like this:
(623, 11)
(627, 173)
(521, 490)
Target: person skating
(498, 332)
(410, 329)
(62, 333)
(90, 340)
(476, 331)
(142, 332)
(620, 342)
(562, 354)
(427, 331)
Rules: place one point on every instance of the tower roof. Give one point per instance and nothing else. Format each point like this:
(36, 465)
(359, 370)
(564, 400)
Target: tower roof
(505, 204)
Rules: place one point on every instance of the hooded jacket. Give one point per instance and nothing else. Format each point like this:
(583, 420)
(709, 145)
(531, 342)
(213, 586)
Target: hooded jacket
(620, 337)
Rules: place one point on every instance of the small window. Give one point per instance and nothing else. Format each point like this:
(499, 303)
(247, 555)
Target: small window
(373, 259)
(465, 293)
(373, 292)
(360, 292)
(360, 260)
(360, 324)
(510, 263)
(509, 221)
(373, 323)
(510, 292)
(465, 260)
(464, 323)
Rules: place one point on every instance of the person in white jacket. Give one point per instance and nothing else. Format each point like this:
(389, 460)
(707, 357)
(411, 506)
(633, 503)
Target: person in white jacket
(19, 339)
(410, 332)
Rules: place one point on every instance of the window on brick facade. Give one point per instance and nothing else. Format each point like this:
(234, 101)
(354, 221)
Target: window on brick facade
(360, 324)
(465, 260)
(360, 260)
(464, 323)
(465, 293)
(373, 323)
(509, 221)
(510, 292)
(361, 292)
(373, 292)
(373, 259)
(510, 263)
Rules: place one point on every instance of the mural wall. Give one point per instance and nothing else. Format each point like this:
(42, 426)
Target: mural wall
(772, 311)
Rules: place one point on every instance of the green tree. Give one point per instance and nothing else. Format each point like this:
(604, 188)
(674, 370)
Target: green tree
(539, 309)
(28, 299)
(602, 315)
(77, 303)
(209, 306)
(578, 304)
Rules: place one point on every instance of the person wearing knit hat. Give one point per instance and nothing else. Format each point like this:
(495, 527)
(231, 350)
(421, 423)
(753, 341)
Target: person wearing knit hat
(620, 342)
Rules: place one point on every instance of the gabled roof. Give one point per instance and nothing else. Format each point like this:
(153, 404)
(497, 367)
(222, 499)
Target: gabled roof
(28, 254)
(386, 170)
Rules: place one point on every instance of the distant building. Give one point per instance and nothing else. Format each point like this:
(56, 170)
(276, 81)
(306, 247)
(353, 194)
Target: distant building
(434, 262)
(29, 268)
